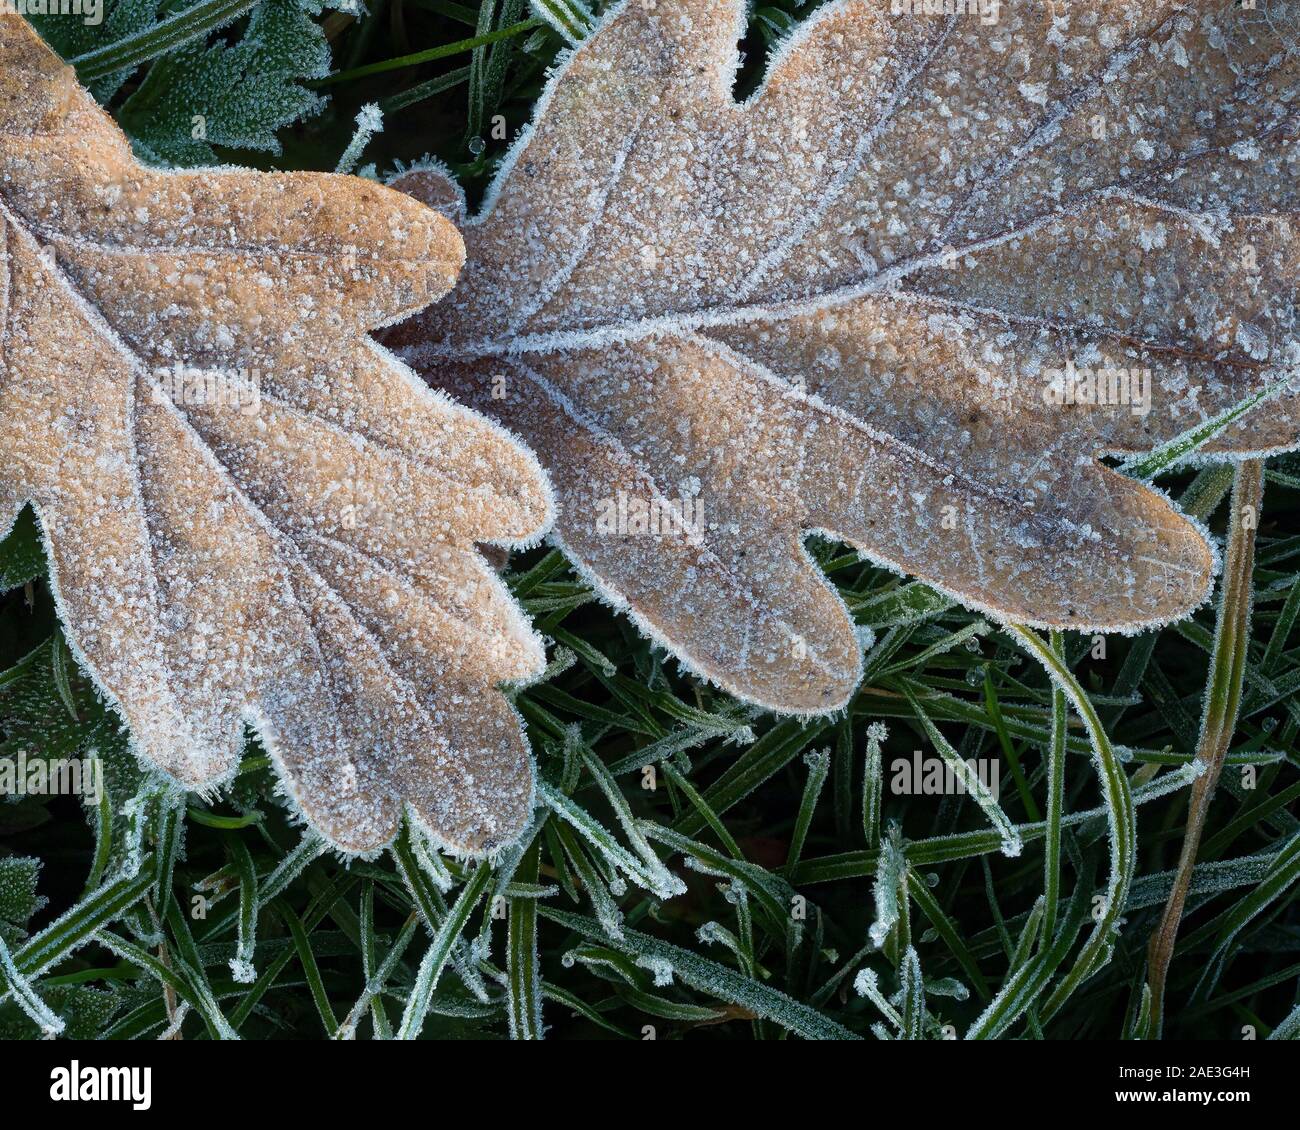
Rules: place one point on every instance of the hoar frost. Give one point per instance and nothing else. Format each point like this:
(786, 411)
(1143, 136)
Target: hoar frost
(832, 306)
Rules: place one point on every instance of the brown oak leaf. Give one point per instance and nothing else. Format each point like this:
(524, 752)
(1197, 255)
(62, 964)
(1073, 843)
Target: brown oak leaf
(254, 515)
(906, 294)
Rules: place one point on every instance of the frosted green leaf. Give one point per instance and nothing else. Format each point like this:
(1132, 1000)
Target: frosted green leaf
(232, 95)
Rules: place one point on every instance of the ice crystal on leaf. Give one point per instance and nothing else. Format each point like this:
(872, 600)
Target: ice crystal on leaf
(234, 95)
(18, 898)
(235, 89)
(907, 294)
(255, 516)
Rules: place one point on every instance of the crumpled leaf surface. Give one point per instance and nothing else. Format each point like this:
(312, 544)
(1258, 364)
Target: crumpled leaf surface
(834, 307)
(297, 554)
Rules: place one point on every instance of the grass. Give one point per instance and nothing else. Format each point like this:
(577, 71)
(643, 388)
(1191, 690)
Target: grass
(701, 869)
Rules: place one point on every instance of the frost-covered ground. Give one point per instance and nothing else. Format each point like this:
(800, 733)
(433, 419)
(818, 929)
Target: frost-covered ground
(701, 867)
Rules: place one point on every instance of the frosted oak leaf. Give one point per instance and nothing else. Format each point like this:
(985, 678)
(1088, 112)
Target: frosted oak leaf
(254, 515)
(906, 294)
